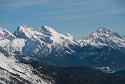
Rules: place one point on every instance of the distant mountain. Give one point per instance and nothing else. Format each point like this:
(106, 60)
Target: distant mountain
(105, 37)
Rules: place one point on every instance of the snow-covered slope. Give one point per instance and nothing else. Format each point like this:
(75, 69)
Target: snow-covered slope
(15, 46)
(5, 37)
(12, 71)
(9, 42)
(104, 37)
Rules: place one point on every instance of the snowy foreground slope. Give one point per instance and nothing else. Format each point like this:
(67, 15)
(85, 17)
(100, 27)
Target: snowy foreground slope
(14, 72)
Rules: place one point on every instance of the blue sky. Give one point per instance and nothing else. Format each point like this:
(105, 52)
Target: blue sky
(77, 17)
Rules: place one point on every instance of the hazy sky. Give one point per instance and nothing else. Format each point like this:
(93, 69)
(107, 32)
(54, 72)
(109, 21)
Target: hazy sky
(77, 17)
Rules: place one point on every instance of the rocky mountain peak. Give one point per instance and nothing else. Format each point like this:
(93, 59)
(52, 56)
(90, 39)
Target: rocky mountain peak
(46, 30)
(4, 34)
(105, 32)
(24, 32)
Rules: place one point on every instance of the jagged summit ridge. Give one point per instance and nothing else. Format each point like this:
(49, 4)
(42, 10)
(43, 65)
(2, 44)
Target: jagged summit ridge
(4, 34)
(105, 32)
(50, 32)
(41, 33)
(26, 32)
(46, 30)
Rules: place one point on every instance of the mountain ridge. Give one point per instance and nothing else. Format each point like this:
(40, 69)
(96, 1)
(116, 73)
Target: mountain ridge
(45, 44)
(47, 36)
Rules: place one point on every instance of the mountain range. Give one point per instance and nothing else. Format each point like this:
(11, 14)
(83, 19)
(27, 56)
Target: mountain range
(103, 49)
(50, 47)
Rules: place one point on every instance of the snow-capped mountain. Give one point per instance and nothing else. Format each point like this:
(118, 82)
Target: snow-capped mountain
(104, 37)
(43, 40)
(43, 33)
